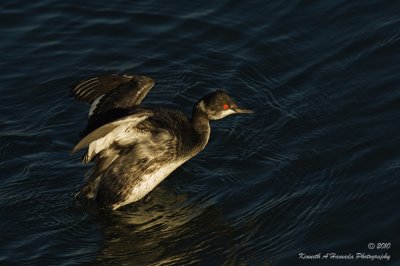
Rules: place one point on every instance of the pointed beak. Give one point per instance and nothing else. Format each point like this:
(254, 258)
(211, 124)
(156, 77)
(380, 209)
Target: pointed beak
(240, 110)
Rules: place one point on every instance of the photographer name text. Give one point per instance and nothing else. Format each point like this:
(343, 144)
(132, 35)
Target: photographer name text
(349, 256)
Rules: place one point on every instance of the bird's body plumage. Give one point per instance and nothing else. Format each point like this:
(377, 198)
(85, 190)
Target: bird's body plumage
(134, 147)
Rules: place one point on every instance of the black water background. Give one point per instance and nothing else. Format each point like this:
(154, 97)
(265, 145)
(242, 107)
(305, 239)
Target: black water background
(315, 169)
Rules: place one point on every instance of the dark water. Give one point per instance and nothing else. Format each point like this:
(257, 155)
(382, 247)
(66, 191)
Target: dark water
(315, 169)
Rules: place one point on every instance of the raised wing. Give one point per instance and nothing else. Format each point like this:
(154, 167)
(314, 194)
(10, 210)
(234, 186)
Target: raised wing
(112, 91)
(111, 97)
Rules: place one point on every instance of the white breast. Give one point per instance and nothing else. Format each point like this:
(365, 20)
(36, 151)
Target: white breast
(149, 182)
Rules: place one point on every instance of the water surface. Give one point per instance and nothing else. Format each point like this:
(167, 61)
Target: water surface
(315, 169)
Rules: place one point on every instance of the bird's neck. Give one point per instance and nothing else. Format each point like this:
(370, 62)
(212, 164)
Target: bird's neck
(201, 123)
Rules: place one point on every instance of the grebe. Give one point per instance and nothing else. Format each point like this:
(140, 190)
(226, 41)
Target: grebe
(133, 147)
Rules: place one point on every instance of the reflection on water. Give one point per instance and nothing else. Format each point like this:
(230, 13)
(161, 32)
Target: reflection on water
(129, 233)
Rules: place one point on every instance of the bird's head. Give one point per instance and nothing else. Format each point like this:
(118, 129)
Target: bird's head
(219, 104)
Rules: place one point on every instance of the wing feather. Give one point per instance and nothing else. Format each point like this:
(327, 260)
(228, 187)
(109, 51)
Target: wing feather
(89, 89)
(113, 86)
(102, 137)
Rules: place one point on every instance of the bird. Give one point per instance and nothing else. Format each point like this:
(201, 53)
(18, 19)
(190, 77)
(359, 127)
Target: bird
(135, 147)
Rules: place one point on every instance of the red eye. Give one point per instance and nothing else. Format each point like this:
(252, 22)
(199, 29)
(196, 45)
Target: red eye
(226, 106)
